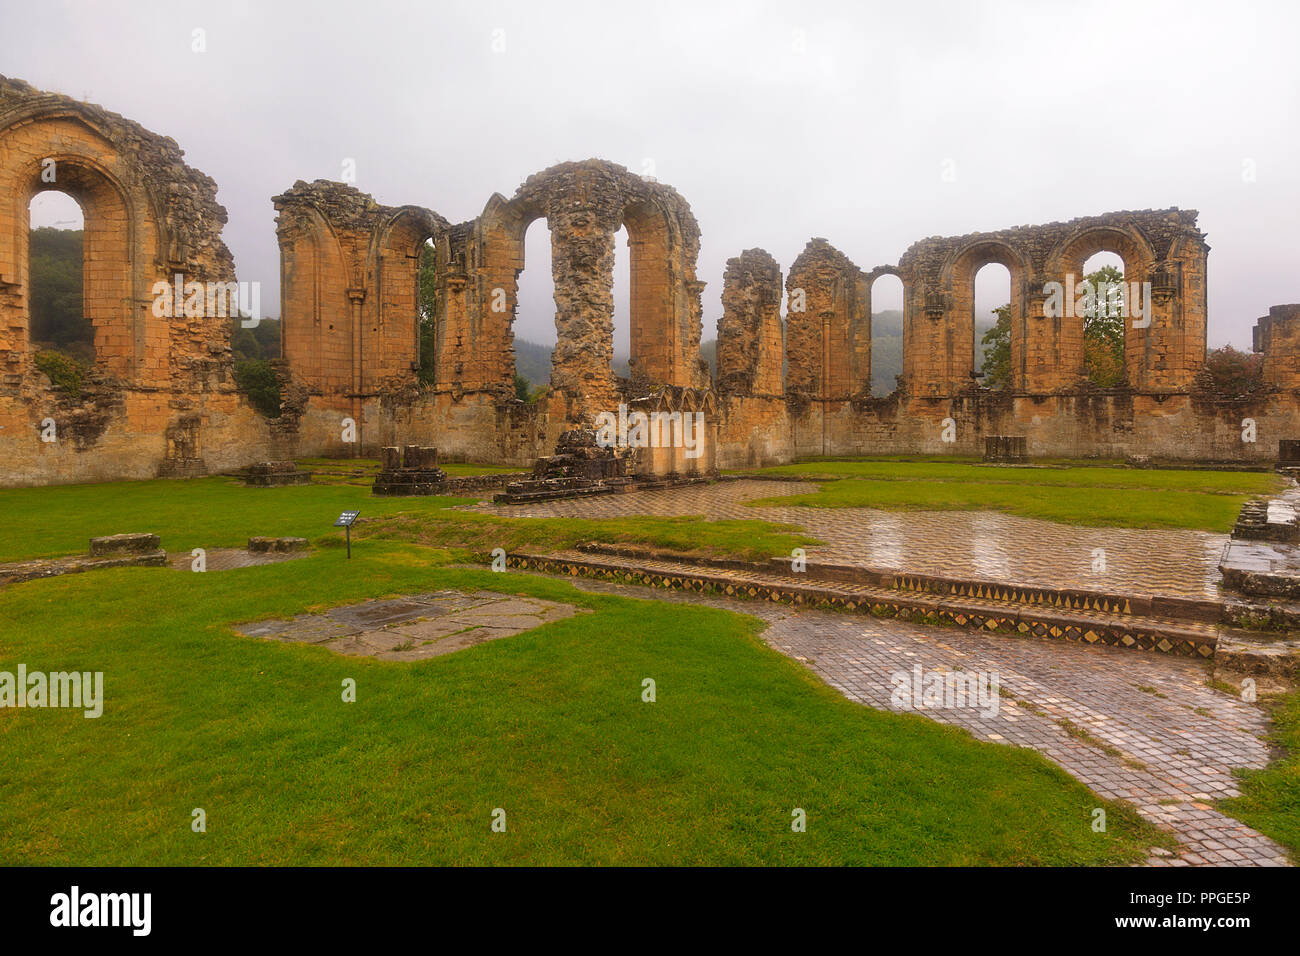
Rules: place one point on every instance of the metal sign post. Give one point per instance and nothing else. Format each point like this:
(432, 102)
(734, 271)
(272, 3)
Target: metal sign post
(345, 521)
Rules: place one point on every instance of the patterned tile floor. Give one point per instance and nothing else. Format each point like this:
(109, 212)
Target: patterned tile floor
(1146, 728)
(975, 545)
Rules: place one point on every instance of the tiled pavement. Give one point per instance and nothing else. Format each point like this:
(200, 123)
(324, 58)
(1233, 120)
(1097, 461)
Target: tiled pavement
(1144, 729)
(977, 545)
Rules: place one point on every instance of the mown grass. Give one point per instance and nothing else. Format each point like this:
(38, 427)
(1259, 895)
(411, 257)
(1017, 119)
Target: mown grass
(548, 725)
(690, 536)
(1270, 798)
(221, 512)
(1071, 494)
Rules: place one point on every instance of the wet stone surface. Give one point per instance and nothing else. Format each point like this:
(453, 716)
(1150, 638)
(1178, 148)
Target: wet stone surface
(415, 627)
(969, 545)
(228, 559)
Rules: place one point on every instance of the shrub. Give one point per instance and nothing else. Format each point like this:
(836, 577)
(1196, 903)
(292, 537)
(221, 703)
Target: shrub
(63, 371)
(256, 379)
(1230, 374)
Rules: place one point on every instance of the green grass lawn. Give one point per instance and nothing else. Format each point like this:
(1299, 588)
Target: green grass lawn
(1089, 495)
(220, 512)
(1270, 798)
(548, 725)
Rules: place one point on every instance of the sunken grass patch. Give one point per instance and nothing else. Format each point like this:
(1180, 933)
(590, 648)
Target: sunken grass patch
(548, 725)
(1270, 798)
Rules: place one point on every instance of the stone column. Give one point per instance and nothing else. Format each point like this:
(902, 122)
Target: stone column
(582, 264)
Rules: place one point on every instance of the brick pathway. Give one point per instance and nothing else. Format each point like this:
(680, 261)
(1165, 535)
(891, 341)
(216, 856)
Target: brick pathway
(1140, 728)
(965, 544)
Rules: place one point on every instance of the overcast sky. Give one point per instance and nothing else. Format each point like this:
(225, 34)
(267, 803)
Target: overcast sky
(777, 122)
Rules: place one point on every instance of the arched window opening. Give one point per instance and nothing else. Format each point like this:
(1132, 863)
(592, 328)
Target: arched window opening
(992, 326)
(58, 328)
(427, 313)
(1102, 300)
(886, 334)
(534, 325)
(622, 303)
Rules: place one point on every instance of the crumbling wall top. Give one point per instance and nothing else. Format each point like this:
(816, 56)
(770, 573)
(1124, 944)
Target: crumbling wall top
(1159, 229)
(184, 199)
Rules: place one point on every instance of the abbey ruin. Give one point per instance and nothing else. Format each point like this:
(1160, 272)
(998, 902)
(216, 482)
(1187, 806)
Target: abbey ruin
(162, 400)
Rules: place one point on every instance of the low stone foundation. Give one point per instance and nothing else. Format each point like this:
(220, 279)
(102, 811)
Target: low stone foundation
(275, 474)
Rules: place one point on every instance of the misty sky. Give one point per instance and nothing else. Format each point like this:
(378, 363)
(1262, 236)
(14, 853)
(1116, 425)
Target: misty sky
(777, 122)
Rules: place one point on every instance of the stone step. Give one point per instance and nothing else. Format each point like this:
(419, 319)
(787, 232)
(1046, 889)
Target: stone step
(1061, 599)
(1256, 654)
(1143, 632)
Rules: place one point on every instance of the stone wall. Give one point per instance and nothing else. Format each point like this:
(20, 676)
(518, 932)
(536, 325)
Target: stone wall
(161, 397)
(750, 348)
(1162, 352)
(1277, 337)
(828, 328)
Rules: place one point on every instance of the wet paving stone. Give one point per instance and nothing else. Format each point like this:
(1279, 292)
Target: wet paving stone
(968, 545)
(415, 627)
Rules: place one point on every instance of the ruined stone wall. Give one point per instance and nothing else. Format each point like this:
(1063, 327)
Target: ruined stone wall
(1162, 351)
(1108, 425)
(828, 330)
(584, 205)
(750, 348)
(349, 292)
(1277, 337)
(161, 397)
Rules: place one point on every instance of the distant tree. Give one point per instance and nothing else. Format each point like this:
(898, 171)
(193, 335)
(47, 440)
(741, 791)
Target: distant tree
(428, 302)
(262, 341)
(1103, 330)
(523, 390)
(997, 350)
(57, 318)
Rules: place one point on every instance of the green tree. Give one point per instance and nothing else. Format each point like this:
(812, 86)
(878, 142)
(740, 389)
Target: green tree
(1103, 329)
(997, 350)
(257, 380)
(428, 321)
(523, 390)
(57, 318)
